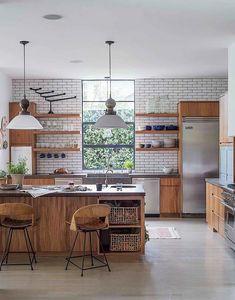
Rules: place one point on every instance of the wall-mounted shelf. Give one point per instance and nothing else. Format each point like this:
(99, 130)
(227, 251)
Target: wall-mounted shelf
(38, 132)
(55, 149)
(51, 116)
(157, 131)
(169, 115)
(125, 226)
(156, 149)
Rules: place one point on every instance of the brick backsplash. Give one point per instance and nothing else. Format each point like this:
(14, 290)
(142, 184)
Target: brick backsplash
(170, 91)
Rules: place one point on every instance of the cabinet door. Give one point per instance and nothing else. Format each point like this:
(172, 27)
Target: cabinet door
(170, 200)
(224, 138)
(229, 163)
(223, 162)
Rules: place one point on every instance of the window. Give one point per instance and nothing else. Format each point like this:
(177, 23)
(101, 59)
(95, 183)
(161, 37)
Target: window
(103, 145)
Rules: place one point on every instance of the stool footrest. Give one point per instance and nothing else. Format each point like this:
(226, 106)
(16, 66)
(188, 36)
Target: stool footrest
(88, 268)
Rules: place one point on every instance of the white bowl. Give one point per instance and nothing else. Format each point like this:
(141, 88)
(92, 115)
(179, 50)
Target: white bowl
(167, 170)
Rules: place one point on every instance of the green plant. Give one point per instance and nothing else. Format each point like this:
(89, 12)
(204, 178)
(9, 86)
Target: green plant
(146, 235)
(18, 168)
(128, 164)
(2, 174)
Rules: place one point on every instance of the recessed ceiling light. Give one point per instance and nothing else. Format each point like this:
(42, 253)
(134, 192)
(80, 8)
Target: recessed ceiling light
(52, 17)
(76, 61)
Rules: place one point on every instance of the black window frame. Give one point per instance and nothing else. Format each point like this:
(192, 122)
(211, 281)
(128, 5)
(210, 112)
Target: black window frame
(109, 145)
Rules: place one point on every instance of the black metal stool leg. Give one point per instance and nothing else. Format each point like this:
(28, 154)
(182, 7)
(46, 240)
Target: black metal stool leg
(27, 246)
(92, 262)
(102, 248)
(71, 251)
(84, 252)
(9, 245)
(6, 248)
(31, 246)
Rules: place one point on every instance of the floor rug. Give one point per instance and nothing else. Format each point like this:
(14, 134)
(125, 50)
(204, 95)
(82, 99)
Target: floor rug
(162, 232)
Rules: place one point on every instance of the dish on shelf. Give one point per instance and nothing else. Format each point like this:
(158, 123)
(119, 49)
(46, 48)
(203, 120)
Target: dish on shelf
(167, 170)
(158, 127)
(171, 127)
(8, 187)
(148, 127)
(157, 144)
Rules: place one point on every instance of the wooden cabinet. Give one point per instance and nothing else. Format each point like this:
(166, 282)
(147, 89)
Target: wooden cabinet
(170, 201)
(214, 208)
(198, 109)
(20, 137)
(223, 132)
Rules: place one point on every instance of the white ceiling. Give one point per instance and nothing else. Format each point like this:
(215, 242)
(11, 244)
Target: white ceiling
(154, 38)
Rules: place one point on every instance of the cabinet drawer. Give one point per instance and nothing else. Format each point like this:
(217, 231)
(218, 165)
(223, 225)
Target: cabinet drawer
(170, 181)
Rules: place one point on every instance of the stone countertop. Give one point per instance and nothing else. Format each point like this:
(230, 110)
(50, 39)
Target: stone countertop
(47, 176)
(83, 175)
(153, 175)
(220, 183)
(136, 190)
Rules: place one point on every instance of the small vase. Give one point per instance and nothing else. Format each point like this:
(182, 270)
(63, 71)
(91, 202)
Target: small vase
(17, 179)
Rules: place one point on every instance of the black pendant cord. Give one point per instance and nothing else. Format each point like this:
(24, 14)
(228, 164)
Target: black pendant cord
(24, 102)
(110, 66)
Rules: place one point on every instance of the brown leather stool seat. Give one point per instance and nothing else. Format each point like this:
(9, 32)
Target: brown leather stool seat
(14, 223)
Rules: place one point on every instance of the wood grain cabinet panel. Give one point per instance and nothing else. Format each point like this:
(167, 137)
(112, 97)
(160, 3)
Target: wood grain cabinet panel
(170, 202)
(214, 208)
(224, 138)
(39, 181)
(199, 109)
(20, 137)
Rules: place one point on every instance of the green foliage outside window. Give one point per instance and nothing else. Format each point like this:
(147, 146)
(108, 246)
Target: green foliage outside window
(100, 144)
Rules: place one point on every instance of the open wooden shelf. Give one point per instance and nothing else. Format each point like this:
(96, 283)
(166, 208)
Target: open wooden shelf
(156, 149)
(37, 132)
(50, 116)
(157, 131)
(55, 149)
(169, 115)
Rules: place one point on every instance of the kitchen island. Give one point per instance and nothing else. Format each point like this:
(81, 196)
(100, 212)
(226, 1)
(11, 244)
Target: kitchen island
(54, 211)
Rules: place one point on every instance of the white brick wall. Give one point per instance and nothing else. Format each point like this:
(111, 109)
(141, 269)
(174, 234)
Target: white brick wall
(170, 90)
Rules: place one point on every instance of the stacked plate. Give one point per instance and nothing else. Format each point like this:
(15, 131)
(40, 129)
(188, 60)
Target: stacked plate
(169, 143)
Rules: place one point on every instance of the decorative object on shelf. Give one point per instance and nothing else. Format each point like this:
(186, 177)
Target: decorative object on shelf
(129, 165)
(110, 119)
(153, 105)
(167, 170)
(169, 143)
(49, 96)
(24, 120)
(17, 171)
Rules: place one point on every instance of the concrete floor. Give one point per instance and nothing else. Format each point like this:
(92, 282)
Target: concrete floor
(198, 266)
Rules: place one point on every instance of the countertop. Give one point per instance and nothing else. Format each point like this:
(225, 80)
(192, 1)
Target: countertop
(220, 183)
(83, 175)
(109, 191)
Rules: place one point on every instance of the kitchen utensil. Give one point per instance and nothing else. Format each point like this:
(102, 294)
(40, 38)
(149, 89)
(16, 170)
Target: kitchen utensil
(49, 155)
(142, 145)
(148, 127)
(148, 145)
(156, 144)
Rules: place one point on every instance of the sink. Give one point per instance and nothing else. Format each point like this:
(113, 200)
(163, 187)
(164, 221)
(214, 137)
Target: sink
(124, 186)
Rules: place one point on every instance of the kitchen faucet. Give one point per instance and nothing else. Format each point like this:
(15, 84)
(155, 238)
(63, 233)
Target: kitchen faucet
(108, 170)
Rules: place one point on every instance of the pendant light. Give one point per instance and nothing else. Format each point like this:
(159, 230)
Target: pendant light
(110, 119)
(24, 120)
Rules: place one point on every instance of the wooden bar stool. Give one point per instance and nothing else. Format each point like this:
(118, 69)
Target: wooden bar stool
(17, 216)
(88, 219)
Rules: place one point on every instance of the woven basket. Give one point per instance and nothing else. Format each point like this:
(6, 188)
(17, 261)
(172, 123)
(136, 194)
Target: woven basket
(125, 242)
(124, 215)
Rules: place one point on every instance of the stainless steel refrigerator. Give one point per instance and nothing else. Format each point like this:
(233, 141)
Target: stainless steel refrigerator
(200, 159)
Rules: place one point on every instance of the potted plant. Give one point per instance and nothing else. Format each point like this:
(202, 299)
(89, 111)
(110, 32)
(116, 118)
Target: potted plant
(128, 164)
(3, 177)
(17, 171)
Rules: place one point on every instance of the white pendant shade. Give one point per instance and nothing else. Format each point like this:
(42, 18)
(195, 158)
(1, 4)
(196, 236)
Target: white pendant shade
(24, 122)
(110, 121)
